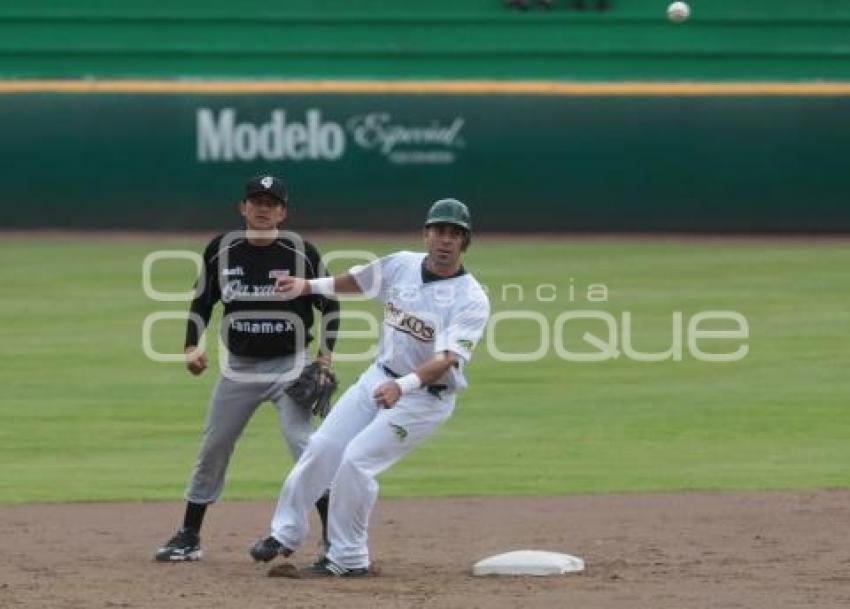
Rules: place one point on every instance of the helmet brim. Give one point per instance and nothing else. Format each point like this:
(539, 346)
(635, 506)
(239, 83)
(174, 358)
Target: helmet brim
(448, 220)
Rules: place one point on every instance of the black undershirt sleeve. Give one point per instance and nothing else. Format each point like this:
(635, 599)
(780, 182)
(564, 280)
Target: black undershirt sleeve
(329, 307)
(330, 322)
(207, 294)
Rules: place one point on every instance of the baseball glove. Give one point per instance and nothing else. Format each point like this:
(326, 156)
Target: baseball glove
(313, 389)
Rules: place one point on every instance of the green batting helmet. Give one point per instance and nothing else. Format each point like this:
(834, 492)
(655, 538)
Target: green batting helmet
(449, 211)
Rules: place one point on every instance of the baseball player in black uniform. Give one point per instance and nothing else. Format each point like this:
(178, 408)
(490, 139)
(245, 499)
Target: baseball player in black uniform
(266, 339)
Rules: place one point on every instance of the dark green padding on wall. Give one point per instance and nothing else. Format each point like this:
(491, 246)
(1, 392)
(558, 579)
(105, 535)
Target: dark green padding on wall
(368, 161)
(374, 162)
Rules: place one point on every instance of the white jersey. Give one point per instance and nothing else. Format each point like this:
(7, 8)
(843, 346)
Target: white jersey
(424, 317)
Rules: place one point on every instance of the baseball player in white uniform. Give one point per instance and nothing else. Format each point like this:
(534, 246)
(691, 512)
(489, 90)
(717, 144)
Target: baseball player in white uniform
(435, 313)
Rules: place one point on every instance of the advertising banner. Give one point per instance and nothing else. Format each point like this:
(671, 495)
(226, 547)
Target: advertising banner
(374, 162)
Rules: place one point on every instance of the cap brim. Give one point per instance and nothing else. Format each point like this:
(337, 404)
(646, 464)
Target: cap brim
(254, 193)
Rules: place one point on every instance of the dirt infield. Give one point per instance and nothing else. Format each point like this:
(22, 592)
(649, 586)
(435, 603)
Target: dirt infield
(653, 550)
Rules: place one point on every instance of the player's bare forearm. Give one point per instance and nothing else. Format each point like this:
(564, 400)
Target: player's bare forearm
(436, 367)
(344, 284)
(387, 394)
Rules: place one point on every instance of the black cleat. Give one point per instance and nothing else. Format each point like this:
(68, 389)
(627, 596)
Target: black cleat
(322, 558)
(327, 568)
(267, 549)
(185, 546)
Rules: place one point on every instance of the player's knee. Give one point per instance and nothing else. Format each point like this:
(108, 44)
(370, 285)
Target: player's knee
(297, 444)
(321, 445)
(215, 454)
(347, 470)
(354, 464)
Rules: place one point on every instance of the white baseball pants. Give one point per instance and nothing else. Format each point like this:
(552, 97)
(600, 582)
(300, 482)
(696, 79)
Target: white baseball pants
(357, 442)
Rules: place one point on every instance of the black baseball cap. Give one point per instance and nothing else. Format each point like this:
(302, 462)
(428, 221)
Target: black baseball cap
(266, 185)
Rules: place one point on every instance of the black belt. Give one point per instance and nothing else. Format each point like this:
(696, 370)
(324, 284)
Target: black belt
(434, 390)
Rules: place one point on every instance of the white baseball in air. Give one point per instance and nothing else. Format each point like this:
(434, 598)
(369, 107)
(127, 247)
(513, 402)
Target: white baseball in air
(678, 12)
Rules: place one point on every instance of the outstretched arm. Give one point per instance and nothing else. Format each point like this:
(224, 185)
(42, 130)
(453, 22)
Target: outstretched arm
(293, 287)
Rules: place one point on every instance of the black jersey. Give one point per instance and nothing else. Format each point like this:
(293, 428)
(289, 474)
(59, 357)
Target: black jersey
(256, 322)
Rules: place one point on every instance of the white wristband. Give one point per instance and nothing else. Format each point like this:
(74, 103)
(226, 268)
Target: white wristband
(409, 382)
(323, 286)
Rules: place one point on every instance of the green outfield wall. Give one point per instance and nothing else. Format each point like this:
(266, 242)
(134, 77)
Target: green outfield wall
(367, 161)
(150, 115)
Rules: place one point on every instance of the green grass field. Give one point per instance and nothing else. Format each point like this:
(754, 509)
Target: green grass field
(85, 416)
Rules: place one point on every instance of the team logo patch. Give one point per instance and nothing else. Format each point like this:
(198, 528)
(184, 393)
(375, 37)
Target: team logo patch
(400, 431)
(267, 182)
(278, 273)
(408, 323)
(466, 344)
